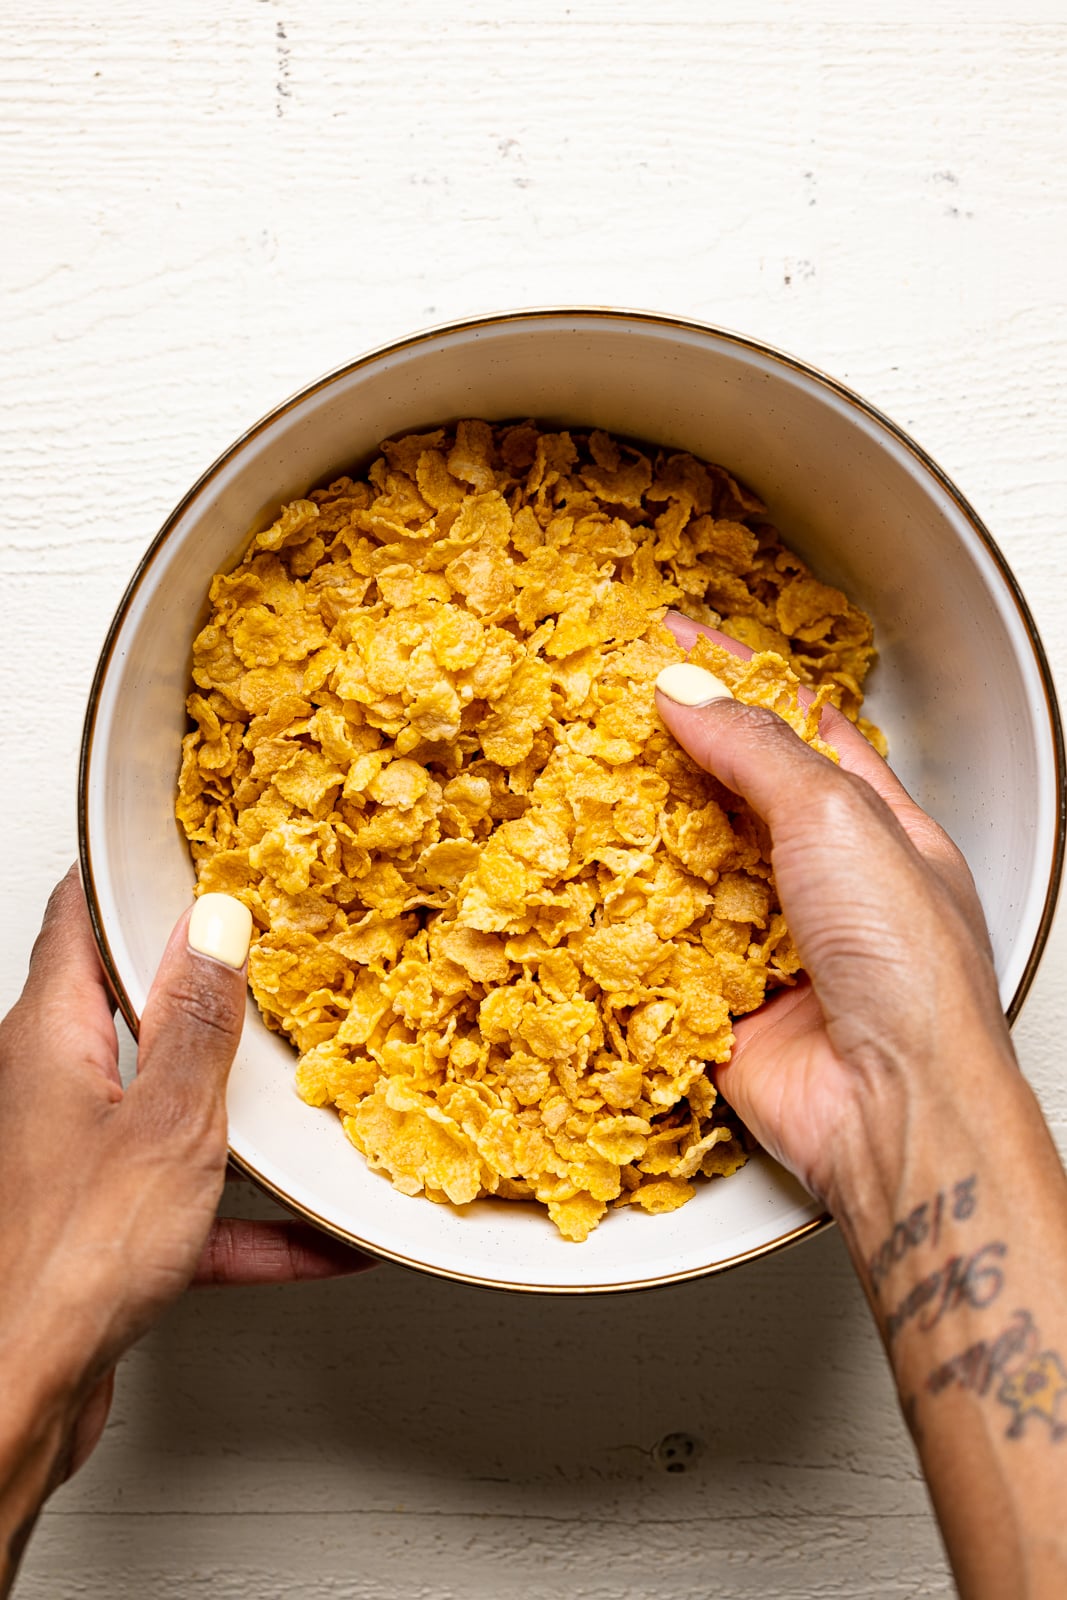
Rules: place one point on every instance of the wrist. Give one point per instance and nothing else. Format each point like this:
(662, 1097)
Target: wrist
(909, 1131)
(45, 1374)
(38, 1400)
(36, 1419)
(953, 1203)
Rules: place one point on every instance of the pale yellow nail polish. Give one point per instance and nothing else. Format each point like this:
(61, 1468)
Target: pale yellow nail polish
(689, 685)
(221, 927)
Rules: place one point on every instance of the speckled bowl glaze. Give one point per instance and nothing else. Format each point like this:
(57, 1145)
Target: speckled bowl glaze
(962, 689)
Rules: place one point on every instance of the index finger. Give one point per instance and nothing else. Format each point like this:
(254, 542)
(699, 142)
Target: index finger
(245, 1252)
(64, 958)
(65, 999)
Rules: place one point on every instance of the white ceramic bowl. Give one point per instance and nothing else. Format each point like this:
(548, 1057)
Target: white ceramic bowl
(962, 690)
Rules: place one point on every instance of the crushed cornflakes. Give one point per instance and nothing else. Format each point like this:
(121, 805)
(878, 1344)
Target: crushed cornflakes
(503, 917)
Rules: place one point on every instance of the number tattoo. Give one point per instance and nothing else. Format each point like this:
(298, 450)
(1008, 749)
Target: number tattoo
(922, 1224)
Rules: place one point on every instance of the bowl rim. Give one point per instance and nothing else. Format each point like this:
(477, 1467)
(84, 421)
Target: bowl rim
(664, 320)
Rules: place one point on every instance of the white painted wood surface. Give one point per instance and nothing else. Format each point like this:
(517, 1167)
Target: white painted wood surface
(208, 202)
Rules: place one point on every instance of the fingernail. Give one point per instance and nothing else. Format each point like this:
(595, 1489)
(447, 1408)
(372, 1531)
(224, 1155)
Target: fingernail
(221, 927)
(689, 685)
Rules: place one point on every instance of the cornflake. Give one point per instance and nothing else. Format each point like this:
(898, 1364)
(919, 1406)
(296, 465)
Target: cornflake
(503, 917)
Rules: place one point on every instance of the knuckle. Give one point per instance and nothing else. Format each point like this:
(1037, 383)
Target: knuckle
(11, 1028)
(859, 791)
(769, 733)
(209, 1000)
(59, 899)
(216, 1258)
(844, 800)
(19, 1034)
(936, 844)
(759, 722)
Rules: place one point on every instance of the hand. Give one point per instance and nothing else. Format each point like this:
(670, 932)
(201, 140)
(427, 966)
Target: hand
(886, 919)
(887, 1083)
(108, 1197)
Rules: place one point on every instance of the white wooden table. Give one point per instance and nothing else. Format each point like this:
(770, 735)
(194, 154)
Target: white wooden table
(210, 202)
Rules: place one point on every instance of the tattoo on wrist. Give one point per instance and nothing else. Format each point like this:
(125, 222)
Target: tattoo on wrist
(973, 1280)
(977, 1367)
(1030, 1382)
(923, 1225)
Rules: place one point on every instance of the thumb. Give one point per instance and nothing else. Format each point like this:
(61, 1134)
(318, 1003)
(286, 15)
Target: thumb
(837, 849)
(748, 748)
(195, 1010)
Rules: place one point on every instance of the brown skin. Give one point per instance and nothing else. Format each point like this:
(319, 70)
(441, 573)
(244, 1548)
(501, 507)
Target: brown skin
(888, 1084)
(109, 1196)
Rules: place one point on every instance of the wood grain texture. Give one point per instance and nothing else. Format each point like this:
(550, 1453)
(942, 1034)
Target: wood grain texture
(208, 203)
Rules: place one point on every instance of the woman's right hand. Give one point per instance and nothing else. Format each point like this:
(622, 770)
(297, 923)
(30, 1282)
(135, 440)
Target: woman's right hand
(887, 923)
(887, 1082)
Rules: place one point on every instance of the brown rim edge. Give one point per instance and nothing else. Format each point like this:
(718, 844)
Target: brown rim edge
(816, 1225)
(533, 314)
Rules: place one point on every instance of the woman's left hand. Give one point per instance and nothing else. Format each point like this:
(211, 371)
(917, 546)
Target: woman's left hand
(109, 1195)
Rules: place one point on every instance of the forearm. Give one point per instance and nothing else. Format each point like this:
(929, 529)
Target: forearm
(46, 1333)
(959, 1233)
(34, 1434)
